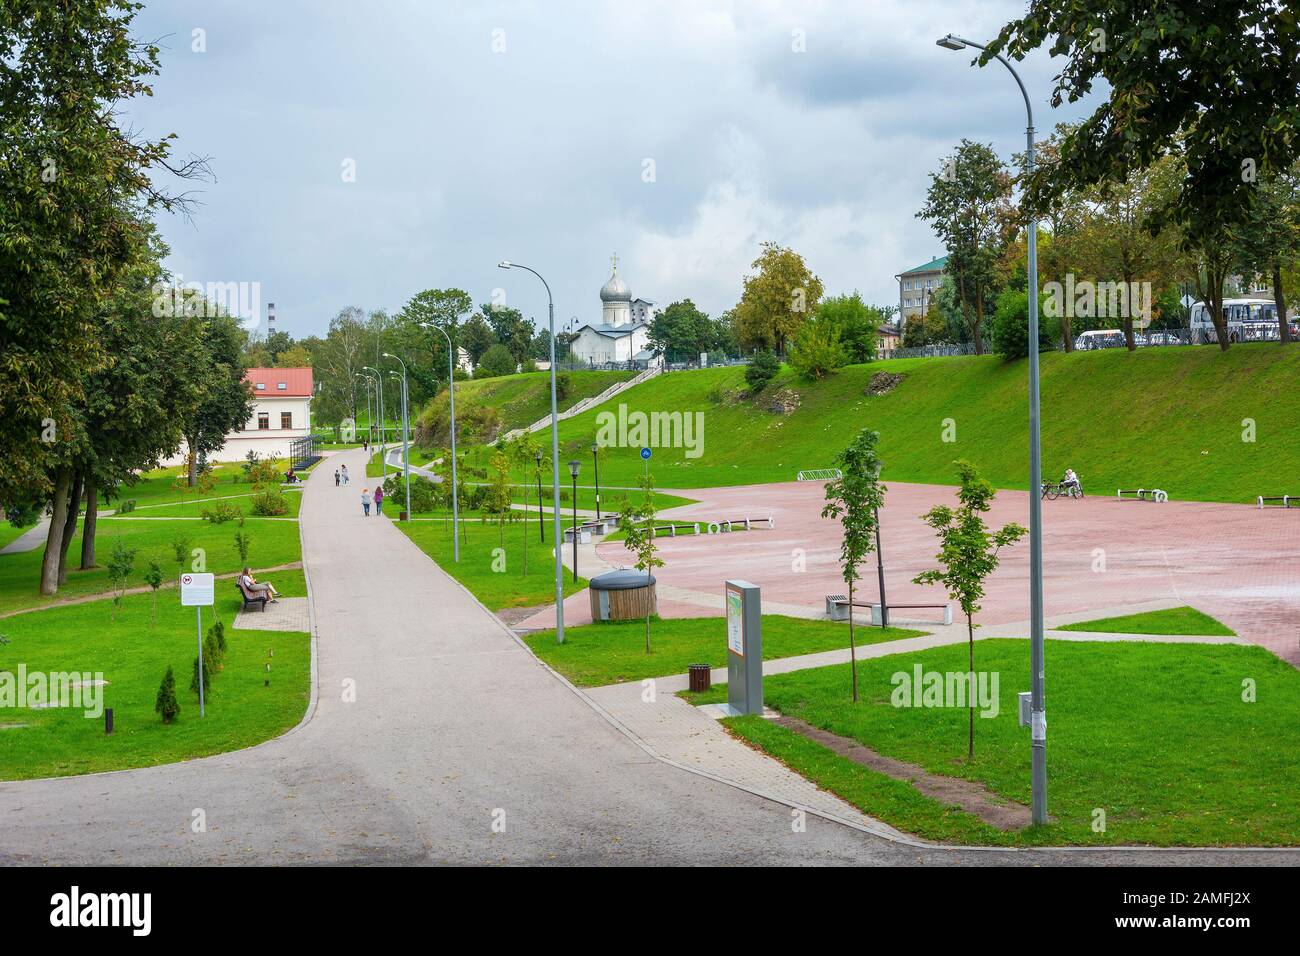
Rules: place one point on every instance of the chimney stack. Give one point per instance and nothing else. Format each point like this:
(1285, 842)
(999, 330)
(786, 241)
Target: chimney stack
(270, 319)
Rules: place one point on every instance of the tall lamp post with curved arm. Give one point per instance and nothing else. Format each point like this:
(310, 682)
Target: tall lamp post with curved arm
(451, 388)
(379, 378)
(555, 459)
(1038, 718)
(370, 415)
(406, 437)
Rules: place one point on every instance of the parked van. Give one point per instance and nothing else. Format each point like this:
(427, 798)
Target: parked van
(1247, 320)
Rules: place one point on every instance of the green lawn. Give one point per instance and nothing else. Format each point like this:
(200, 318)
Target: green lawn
(477, 569)
(272, 543)
(133, 653)
(221, 495)
(8, 532)
(1178, 758)
(1177, 620)
(524, 398)
(1196, 452)
(609, 653)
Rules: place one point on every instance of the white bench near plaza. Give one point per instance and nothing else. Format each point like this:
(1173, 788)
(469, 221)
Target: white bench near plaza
(837, 609)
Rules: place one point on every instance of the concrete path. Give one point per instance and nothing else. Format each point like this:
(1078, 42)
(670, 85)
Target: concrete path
(31, 539)
(460, 747)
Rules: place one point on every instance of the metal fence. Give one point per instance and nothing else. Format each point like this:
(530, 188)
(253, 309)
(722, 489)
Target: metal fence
(1112, 339)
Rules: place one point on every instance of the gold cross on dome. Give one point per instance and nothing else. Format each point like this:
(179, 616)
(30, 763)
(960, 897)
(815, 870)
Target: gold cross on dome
(614, 261)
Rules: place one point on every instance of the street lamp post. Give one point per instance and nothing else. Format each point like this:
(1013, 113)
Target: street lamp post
(383, 459)
(574, 466)
(595, 464)
(555, 458)
(370, 421)
(1038, 716)
(451, 391)
(406, 437)
(541, 523)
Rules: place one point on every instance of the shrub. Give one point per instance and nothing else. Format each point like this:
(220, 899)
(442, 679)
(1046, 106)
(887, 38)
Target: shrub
(1010, 326)
(424, 493)
(563, 385)
(211, 655)
(269, 503)
(207, 675)
(126, 507)
(496, 361)
(221, 512)
(816, 351)
(242, 544)
(762, 369)
(263, 473)
(166, 704)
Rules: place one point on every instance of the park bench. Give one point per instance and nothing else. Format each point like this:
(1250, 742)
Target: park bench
(1142, 494)
(1279, 501)
(252, 601)
(837, 608)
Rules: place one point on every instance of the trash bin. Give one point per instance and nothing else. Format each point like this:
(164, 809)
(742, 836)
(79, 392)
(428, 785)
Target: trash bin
(622, 595)
(701, 677)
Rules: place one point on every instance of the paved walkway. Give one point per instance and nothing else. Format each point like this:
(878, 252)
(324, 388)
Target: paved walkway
(31, 539)
(455, 727)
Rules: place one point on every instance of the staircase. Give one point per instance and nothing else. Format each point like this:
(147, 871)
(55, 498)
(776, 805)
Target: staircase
(586, 403)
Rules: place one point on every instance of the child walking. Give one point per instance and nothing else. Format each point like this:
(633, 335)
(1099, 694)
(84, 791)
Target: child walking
(365, 501)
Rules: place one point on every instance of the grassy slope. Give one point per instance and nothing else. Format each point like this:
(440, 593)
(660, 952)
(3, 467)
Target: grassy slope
(526, 397)
(1224, 772)
(1177, 620)
(1169, 418)
(598, 654)
(133, 653)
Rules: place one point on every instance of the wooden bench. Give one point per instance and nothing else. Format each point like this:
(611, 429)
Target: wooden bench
(1282, 501)
(252, 601)
(837, 608)
(1142, 494)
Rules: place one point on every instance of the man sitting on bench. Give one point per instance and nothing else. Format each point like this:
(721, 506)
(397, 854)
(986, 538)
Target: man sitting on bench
(1070, 483)
(250, 584)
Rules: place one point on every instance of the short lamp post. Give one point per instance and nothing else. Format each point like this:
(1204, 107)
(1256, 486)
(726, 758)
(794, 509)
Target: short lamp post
(574, 468)
(595, 464)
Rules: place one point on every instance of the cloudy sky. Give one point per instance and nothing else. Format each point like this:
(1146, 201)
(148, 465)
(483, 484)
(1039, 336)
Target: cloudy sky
(679, 134)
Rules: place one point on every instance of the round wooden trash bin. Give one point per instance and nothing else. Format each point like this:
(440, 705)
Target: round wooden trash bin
(623, 595)
(701, 677)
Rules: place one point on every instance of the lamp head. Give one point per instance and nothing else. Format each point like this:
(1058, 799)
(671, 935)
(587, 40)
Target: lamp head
(503, 264)
(537, 456)
(595, 447)
(574, 468)
(950, 42)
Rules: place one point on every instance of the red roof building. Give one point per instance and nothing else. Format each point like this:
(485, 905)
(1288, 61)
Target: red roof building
(287, 382)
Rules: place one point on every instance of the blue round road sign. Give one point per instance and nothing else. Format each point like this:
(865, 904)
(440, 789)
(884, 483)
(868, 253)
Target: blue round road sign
(645, 454)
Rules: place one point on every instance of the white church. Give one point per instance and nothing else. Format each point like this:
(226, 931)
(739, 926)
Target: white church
(623, 333)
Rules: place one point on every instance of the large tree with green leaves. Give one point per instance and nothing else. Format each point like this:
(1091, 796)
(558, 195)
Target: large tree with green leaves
(777, 299)
(855, 499)
(1270, 238)
(857, 323)
(968, 205)
(73, 182)
(968, 554)
(681, 332)
(1216, 85)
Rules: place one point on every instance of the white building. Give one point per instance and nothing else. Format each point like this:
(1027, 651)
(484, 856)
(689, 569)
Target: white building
(622, 334)
(281, 413)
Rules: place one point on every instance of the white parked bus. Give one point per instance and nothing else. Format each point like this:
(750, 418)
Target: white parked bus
(1246, 319)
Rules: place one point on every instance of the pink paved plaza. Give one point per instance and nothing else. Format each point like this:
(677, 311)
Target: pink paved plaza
(1234, 562)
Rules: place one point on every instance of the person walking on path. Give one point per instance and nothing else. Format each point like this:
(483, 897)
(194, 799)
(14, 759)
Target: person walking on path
(336, 477)
(365, 501)
(379, 500)
(344, 469)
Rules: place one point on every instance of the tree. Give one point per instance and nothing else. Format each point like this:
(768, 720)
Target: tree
(968, 205)
(968, 554)
(180, 553)
(1270, 237)
(817, 351)
(1010, 329)
(855, 499)
(681, 332)
(761, 370)
(120, 567)
(225, 397)
(345, 350)
(523, 452)
(166, 703)
(75, 188)
(477, 338)
(496, 361)
(637, 522)
(497, 499)
(777, 300)
(1215, 85)
(856, 322)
